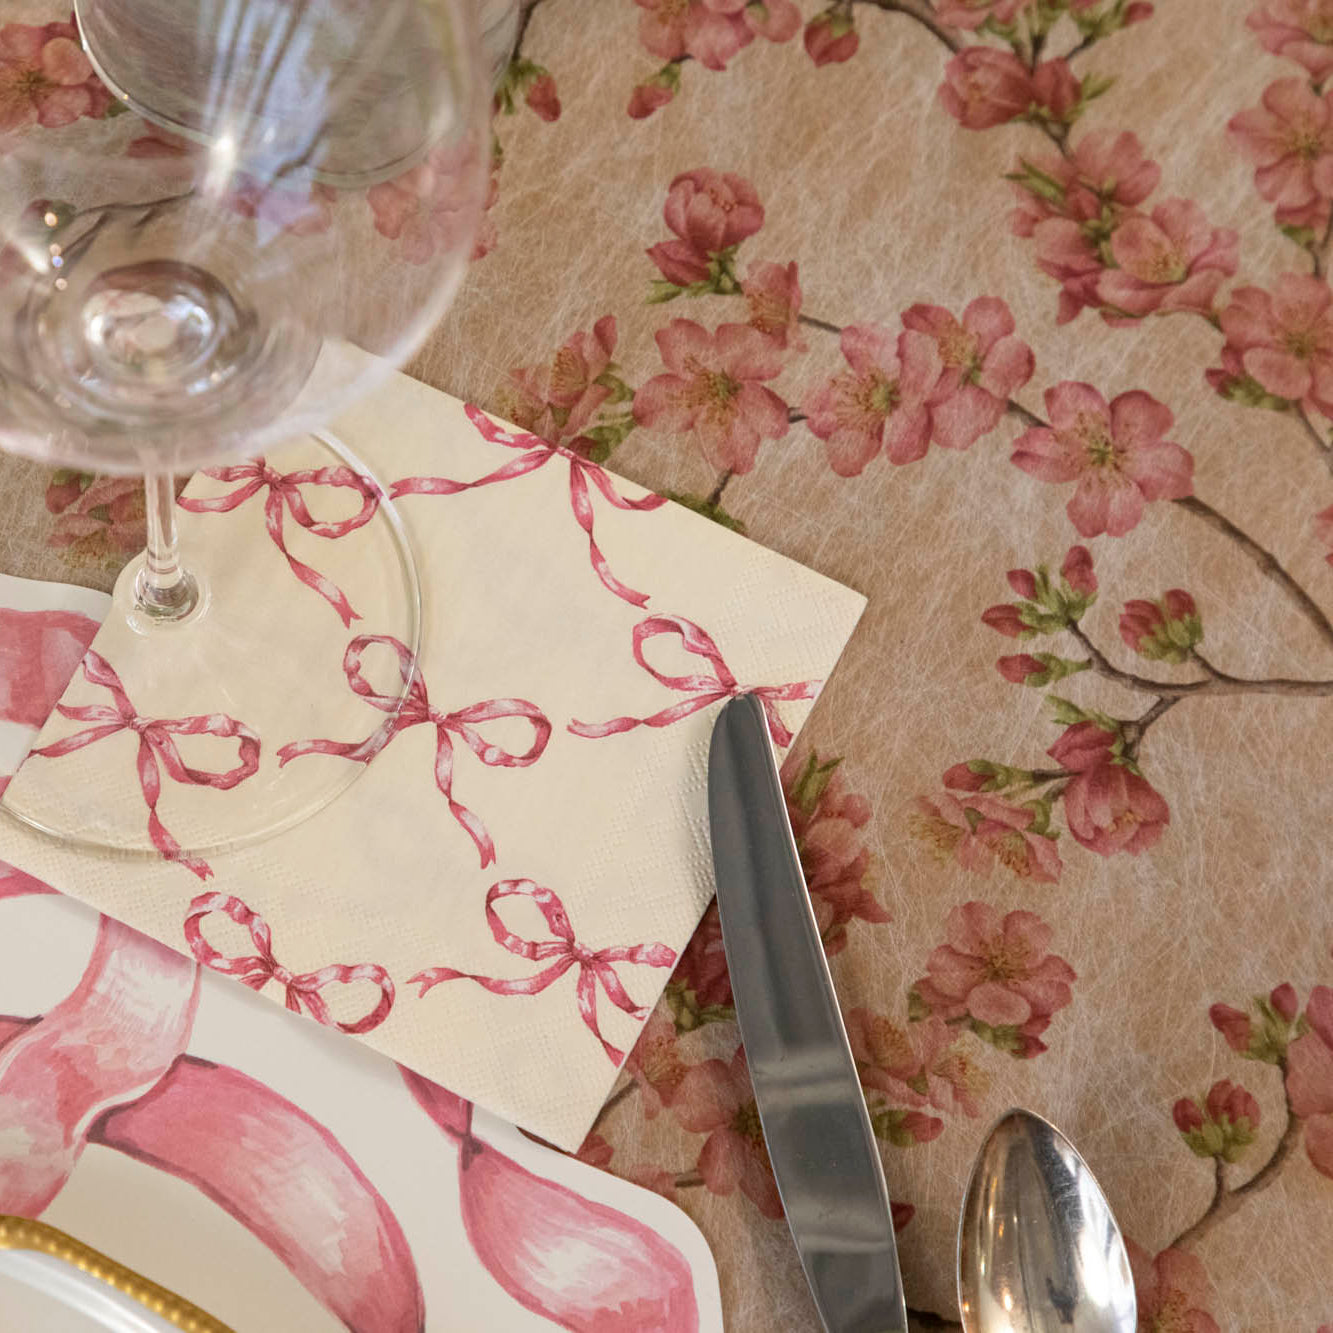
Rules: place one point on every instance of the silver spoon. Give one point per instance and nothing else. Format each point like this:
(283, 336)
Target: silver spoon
(1038, 1248)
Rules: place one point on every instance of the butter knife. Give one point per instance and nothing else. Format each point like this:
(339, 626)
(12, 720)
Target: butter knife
(814, 1118)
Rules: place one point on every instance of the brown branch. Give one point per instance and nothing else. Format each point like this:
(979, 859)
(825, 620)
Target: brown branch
(688, 1180)
(613, 1101)
(1226, 1201)
(1135, 729)
(715, 496)
(793, 416)
(525, 14)
(1217, 683)
(1016, 409)
(1322, 446)
(922, 13)
(1266, 561)
(1319, 255)
(811, 322)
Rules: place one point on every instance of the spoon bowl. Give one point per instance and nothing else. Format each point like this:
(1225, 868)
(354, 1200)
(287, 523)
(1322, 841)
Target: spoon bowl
(1039, 1250)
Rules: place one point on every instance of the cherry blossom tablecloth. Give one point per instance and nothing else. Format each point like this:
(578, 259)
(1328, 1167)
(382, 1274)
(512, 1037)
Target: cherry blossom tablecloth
(1013, 315)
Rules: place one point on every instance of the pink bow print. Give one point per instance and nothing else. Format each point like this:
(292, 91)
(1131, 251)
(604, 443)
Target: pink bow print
(595, 965)
(704, 689)
(258, 969)
(155, 744)
(538, 453)
(416, 709)
(284, 494)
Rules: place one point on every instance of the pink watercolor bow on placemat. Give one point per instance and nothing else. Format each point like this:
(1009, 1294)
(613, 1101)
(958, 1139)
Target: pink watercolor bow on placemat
(538, 453)
(416, 710)
(595, 965)
(284, 495)
(704, 689)
(258, 969)
(155, 742)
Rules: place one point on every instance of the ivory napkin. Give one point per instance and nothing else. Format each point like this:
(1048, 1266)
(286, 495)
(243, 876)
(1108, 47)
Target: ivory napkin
(498, 900)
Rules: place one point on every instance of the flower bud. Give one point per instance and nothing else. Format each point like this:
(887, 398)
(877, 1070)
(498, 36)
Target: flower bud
(1023, 582)
(1164, 630)
(1005, 619)
(1077, 571)
(831, 37)
(1187, 1115)
(1020, 668)
(1234, 1025)
(1284, 1001)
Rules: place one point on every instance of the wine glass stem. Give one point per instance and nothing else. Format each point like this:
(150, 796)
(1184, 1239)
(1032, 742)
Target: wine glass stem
(163, 590)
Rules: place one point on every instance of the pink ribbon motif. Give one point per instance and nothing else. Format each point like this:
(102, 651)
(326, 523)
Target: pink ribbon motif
(417, 710)
(704, 689)
(284, 496)
(538, 453)
(258, 969)
(155, 743)
(596, 966)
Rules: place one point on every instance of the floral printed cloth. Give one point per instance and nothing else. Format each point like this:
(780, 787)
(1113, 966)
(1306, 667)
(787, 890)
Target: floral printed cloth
(1014, 315)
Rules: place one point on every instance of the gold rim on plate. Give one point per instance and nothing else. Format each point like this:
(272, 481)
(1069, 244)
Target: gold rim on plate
(22, 1233)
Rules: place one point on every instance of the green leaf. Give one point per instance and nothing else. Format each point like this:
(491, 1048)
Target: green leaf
(917, 1008)
(1303, 236)
(1064, 711)
(661, 291)
(620, 391)
(702, 506)
(809, 788)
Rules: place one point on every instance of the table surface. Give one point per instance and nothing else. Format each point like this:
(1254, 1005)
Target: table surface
(1062, 329)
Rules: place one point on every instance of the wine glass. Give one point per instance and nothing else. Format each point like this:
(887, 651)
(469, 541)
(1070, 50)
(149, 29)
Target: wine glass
(221, 222)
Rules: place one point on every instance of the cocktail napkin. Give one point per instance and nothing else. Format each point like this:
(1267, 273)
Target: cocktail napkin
(496, 902)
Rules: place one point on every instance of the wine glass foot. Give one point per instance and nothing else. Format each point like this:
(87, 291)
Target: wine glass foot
(148, 606)
(249, 714)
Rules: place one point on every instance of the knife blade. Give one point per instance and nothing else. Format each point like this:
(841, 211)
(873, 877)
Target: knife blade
(813, 1115)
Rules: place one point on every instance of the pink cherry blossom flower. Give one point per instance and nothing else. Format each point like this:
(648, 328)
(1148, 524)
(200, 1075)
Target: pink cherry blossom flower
(1173, 1291)
(709, 31)
(775, 20)
(1056, 89)
(1077, 571)
(880, 403)
(420, 208)
(1231, 1103)
(1173, 260)
(1289, 137)
(998, 971)
(920, 1064)
(1065, 252)
(982, 830)
(296, 209)
(595, 1151)
(831, 37)
(983, 364)
(1285, 337)
(1299, 30)
(1104, 169)
(559, 400)
(1310, 1079)
(714, 391)
(1082, 746)
(107, 520)
(712, 210)
(773, 295)
(829, 831)
(45, 78)
(715, 1098)
(656, 1063)
(701, 971)
(1109, 809)
(984, 87)
(971, 14)
(1118, 456)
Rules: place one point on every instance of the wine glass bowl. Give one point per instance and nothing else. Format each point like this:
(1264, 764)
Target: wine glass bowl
(261, 209)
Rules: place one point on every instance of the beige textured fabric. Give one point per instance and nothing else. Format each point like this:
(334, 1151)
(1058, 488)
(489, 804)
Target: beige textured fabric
(885, 200)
